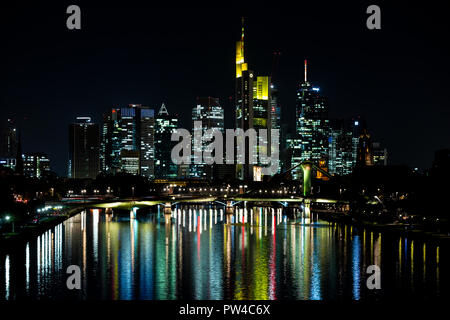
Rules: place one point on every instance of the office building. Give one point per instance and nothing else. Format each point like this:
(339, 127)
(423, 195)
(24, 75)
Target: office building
(128, 140)
(312, 126)
(365, 155)
(165, 125)
(253, 111)
(211, 115)
(380, 154)
(84, 149)
(35, 165)
(342, 150)
(8, 139)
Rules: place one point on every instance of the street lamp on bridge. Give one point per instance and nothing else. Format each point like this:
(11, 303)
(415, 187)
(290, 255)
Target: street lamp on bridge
(8, 218)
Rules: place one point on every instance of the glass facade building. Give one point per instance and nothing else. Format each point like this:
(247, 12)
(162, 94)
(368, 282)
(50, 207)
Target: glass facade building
(253, 110)
(312, 127)
(84, 149)
(342, 157)
(128, 140)
(211, 115)
(35, 165)
(165, 125)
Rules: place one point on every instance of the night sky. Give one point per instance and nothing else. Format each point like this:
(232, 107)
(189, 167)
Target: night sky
(396, 77)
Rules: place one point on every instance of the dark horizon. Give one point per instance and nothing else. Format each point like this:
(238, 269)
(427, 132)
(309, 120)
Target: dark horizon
(396, 77)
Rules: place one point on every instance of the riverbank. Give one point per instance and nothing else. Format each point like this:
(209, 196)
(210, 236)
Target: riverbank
(415, 231)
(31, 231)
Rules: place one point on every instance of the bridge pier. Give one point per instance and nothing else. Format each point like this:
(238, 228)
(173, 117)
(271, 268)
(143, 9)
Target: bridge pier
(307, 209)
(168, 208)
(133, 213)
(306, 167)
(229, 217)
(230, 208)
(167, 218)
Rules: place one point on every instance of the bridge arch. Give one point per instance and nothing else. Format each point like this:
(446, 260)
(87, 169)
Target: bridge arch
(307, 168)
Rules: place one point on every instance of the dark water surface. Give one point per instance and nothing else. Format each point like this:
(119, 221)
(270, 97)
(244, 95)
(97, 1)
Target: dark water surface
(196, 254)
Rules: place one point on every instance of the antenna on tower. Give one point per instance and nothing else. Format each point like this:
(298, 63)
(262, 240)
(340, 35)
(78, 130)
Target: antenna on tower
(275, 60)
(242, 28)
(306, 68)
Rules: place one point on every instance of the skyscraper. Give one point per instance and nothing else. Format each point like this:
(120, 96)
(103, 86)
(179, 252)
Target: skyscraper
(147, 142)
(19, 159)
(111, 141)
(8, 139)
(84, 149)
(262, 115)
(312, 125)
(253, 109)
(365, 155)
(165, 125)
(244, 105)
(209, 111)
(128, 140)
(380, 155)
(341, 156)
(35, 165)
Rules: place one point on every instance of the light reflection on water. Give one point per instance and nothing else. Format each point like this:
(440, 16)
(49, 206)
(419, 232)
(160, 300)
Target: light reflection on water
(201, 252)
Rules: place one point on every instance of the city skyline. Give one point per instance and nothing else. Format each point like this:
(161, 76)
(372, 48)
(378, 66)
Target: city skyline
(396, 131)
(183, 153)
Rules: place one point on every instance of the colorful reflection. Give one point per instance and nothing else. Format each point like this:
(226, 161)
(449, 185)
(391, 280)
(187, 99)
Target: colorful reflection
(207, 252)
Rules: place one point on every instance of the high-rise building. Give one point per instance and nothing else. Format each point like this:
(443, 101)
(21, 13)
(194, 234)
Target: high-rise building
(147, 142)
(365, 155)
(312, 126)
(19, 159)
(128, 140)
(165, 125)
(253, 110)
(8, 139)
(294, 145)
(342, 155)
(244, 106)
(262, 115)
(211, 114)
(111, 142)
(35, 165)
(84, 149)
(380, 155)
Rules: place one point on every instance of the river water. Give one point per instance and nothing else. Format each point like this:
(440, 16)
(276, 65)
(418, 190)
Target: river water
(200, 252)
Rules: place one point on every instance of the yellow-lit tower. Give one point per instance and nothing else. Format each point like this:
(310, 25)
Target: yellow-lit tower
(244, 103)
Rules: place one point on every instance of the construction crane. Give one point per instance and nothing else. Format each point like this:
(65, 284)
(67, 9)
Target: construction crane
(275, 59)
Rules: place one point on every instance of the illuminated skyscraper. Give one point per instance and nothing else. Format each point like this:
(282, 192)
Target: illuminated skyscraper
(111, 142)
(35, 165)
(262, 113)
(312, 125)
(147, 142)
(275, 108)
(84, 149)
(244, 105)
(365, 155)
(165, 125)
(341, 141)
(380, 155)
(128, 140)
(253, 108)
(211, 114)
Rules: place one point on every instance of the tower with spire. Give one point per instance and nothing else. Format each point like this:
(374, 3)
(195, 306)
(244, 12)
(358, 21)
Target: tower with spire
(244, 103)
(311, 124)
(19, 159)
(165, 125)
(253, 107)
